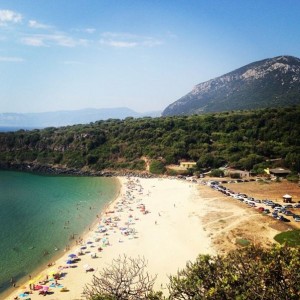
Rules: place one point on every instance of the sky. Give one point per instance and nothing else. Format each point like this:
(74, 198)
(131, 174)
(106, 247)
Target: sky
(142, 54)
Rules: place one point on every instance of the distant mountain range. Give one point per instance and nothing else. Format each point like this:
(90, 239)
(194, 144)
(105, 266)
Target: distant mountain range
(63, 118)
(270, 82)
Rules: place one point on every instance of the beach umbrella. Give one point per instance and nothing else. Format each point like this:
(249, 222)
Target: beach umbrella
(23, 295)
(69, 262)
(72, 255)
(86, 266)
(45, 288)
(38, 287)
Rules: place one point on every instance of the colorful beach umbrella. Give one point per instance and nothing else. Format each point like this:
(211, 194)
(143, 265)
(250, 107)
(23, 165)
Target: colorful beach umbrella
(45, 288)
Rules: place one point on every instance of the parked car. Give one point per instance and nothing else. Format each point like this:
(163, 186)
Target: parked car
(297, 205)
(288, 213)
(297, 219)
(283, 219)
(288, 206)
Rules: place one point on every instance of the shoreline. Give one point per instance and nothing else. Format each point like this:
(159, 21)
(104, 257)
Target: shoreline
(156, 217)
(70, 244)
(58, 170)
(152, 232)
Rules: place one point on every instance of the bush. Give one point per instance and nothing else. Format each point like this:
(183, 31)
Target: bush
(247, 273)
(157, 167)
(216, 173)
(292, 177)
(125, 279)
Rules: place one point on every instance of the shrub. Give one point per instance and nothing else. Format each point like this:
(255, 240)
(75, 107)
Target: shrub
(216, 173)
(157, 167)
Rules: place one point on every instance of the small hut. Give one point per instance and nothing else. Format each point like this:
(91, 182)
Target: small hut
(287, 198)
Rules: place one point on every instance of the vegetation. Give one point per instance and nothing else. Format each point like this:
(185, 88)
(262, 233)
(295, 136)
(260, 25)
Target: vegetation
(247, 273)
(247, 140)
(216, 173)
(243, 242)
(124, 279)
(290, 238)
(157, 167)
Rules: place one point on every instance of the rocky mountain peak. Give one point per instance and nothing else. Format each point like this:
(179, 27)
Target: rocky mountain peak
(265, 83)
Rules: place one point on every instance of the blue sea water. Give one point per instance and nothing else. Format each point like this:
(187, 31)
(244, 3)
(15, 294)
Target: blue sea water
(15, 128)
(39, 214)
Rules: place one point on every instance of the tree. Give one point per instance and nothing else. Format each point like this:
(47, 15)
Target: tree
(124, 279)
(157, 167)
(216, 173)
(248, 273)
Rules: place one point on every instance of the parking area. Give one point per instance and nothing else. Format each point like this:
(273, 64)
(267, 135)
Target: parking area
(266, 198)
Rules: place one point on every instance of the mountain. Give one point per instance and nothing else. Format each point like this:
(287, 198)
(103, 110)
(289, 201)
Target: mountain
(63, 118)
(270, 82)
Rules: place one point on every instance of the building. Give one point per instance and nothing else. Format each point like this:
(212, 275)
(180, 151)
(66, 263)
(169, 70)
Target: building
(187, 164)
(278, 172)
(287, 198)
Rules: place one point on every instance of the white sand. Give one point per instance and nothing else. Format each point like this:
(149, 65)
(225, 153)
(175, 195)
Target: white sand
(168, 236)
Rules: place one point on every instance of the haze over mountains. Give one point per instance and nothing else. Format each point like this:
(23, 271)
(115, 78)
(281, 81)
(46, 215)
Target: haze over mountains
(273, 82)
(270, 82)
(63, 118)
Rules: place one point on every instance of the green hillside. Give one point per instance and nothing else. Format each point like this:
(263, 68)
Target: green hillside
(244, 139)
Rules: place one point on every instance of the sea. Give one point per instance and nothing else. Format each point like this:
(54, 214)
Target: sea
(41, 215)
(16, 128)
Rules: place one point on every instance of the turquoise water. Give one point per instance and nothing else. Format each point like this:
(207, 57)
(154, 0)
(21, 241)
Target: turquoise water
(40, 213)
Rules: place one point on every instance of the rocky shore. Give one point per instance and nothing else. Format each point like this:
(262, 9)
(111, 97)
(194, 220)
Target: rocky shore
(58, 170)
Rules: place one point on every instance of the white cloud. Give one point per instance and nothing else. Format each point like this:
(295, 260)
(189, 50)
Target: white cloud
(47, 40)
(9, 16)
(120, 35)
(35, 41)
(90, 30)
(118, 44)
(127, 40)
(11, 59)
(37, 25)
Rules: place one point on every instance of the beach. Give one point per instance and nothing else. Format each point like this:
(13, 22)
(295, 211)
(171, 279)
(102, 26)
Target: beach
(167, 221)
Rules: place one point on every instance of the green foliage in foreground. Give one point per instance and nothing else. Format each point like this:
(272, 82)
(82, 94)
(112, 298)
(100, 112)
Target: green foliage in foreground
(290, 238)
(245, 140)
(247, 273)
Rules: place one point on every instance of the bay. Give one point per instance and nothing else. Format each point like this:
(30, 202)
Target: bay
(39, 215)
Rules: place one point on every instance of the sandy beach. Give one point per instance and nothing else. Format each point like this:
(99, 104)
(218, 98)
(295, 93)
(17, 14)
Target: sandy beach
(167, 221)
